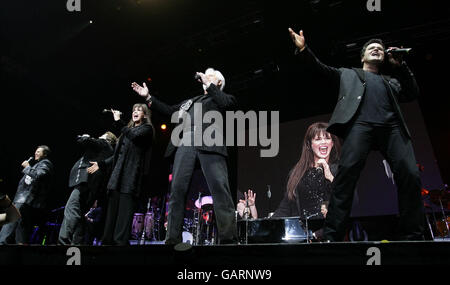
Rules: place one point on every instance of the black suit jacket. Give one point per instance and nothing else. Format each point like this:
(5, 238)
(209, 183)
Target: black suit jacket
(138, 140)
(36, 184)
(293, 208)
(93, 150)
(215, 100)
(352, 84)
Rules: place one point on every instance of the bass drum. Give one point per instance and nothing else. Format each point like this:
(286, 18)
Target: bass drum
(188, 238)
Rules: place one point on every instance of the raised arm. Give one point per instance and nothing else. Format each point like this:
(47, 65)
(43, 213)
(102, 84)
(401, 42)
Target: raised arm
(87, 142)
(153, 102)
(41, 170)
(224, 101)
(308, 59)
(407, 88)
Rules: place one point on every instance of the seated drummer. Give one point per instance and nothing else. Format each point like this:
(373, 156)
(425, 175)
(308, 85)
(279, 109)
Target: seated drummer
(309, 183)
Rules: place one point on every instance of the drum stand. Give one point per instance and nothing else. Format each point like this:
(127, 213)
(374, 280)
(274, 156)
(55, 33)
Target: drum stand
(308, 239)
(429, 226)
(444, 216)
(142, 240)
(155, 229)
(197, 215)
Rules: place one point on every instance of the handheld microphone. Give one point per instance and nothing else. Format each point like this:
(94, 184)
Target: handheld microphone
(320, 168)
(398, 51)
(109, 111)
(30, 159)
(81, 136)
(197, 76)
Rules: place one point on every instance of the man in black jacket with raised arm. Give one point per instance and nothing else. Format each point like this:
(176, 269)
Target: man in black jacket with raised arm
(212, 158)
(367, 116)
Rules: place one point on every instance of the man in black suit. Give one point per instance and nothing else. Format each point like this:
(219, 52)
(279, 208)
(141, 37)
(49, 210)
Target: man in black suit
(187, 151)
(367, 116)
(86, 188)
(31, 197)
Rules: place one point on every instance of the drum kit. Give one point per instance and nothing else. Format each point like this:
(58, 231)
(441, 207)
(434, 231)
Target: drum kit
(199, 227)
(146, 226)
(438, 199)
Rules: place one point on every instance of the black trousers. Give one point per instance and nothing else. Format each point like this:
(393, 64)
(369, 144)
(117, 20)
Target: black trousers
(74, 223)
(119, 218)
(21, 230)
(398, 151)
(31, 217)
(214, 168)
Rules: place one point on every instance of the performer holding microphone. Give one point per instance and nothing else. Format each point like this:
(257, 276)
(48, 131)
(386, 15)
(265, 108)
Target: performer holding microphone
(310, 180)
(86, 188)
(367, 116)
(130, 166)
(31, 197)
(212, 158)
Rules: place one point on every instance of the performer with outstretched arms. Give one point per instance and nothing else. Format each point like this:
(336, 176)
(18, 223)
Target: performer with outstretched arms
(367, 116)
(212, 158)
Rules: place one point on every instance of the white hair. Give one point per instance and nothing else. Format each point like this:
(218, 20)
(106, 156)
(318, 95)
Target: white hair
(218, 75)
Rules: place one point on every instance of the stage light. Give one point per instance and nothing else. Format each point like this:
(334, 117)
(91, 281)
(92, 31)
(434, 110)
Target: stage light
(163, 127)
(90, 22)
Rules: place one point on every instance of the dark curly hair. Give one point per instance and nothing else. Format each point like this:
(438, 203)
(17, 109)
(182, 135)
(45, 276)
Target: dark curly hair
(371, 41)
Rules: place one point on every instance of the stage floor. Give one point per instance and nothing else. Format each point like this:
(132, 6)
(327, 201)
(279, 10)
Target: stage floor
(270, 255)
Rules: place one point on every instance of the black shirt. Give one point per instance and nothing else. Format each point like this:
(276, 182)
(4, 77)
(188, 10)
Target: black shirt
(312, 190)
(376, 106)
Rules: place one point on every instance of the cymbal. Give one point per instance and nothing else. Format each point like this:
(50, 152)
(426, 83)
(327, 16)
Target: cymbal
(203, 201)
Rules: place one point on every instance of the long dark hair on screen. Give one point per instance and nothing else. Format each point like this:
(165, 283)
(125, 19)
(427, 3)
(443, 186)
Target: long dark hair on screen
(306, 160)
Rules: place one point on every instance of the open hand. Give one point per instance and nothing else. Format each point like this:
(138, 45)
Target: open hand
(93, 168)
(250, 198)
(298, 39)
(141, 90)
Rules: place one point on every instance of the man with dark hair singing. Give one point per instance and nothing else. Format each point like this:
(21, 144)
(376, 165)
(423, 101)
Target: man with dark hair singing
(31, 197)
(367, 116)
